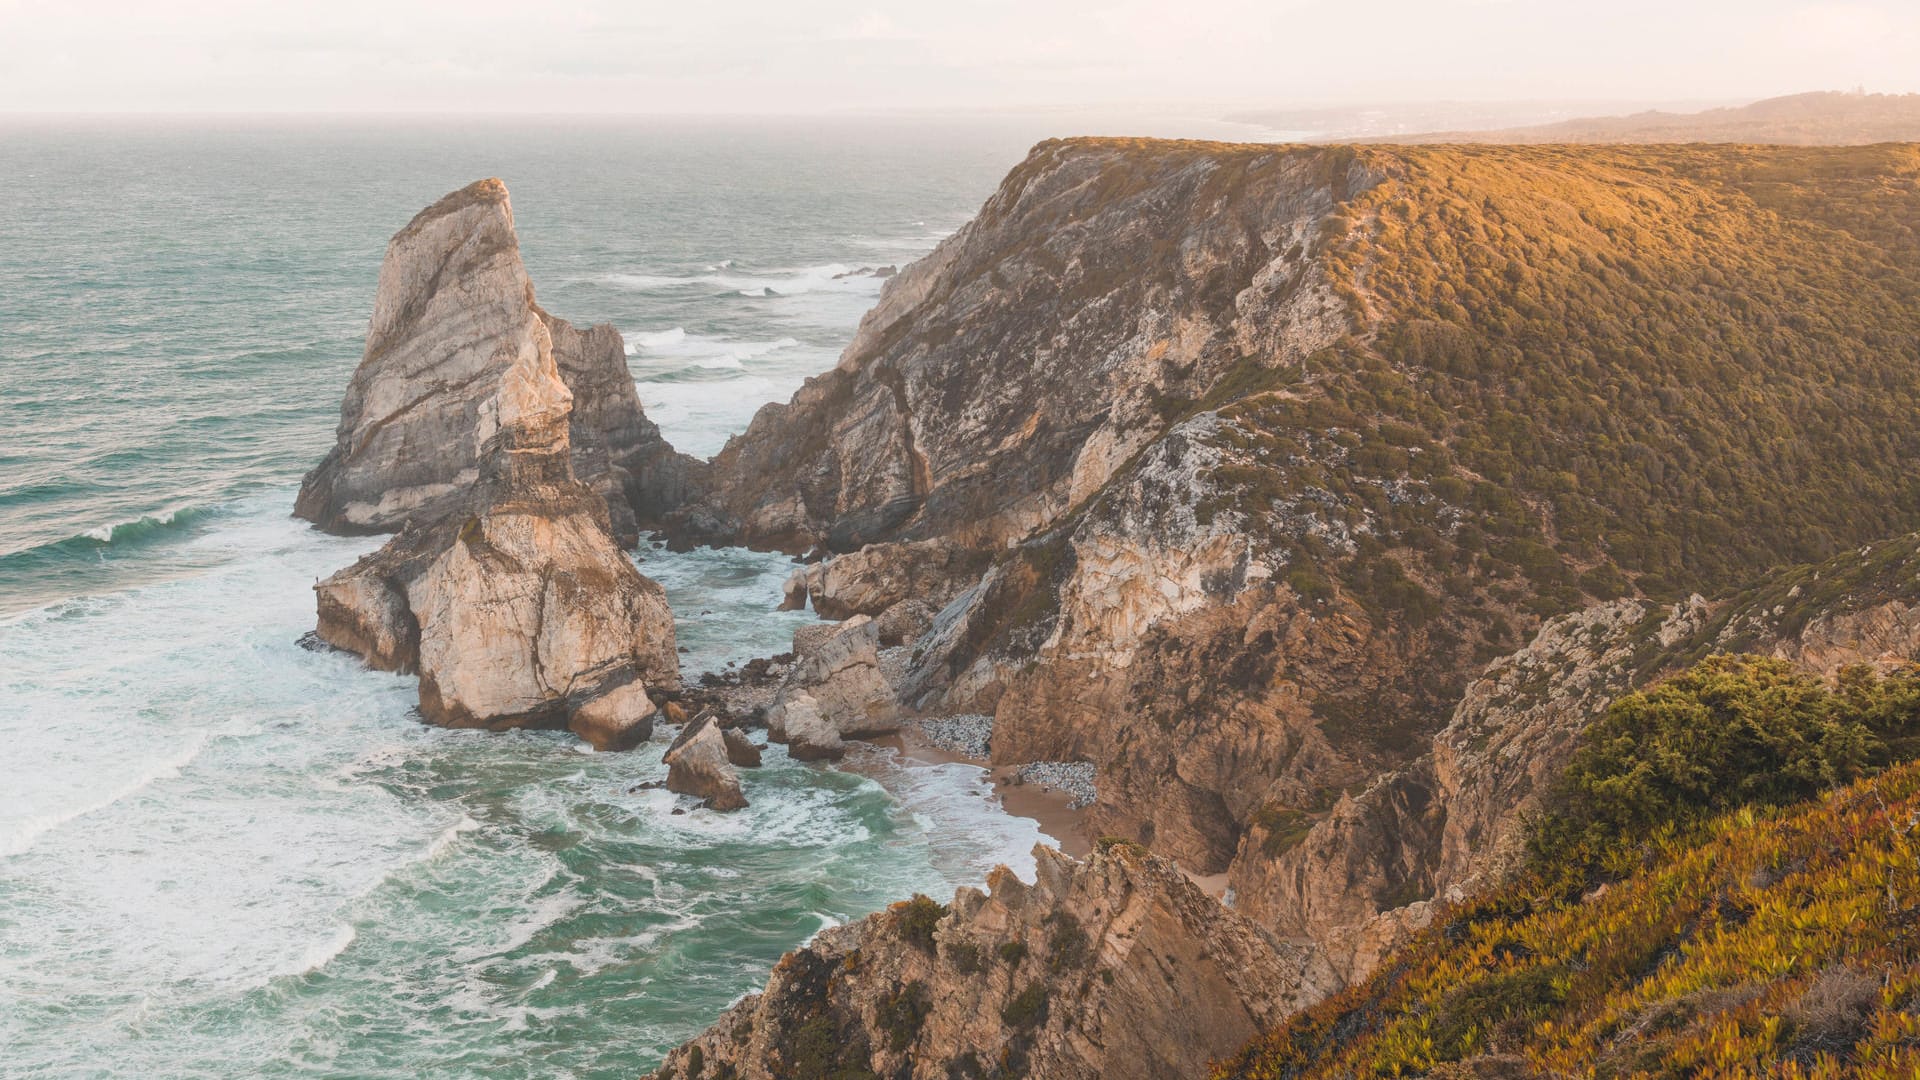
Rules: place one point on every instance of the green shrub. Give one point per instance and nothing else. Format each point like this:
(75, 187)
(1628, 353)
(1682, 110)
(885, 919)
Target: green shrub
(1730, 731)
(967, 957)
(918, 918)
(1027, 1009)
(902, 1013)
(1067, 944)
(1012, 952)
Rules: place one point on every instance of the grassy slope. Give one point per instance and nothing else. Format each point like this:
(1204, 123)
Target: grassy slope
(1781, 944)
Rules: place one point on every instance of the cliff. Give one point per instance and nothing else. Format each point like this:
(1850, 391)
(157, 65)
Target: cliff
(1243, 461)
(506, 589)
(1321, 497)
(1091, 972)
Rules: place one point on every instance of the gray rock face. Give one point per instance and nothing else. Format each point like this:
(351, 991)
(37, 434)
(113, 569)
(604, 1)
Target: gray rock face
(620, 719)
(460, 357)
(506, 590)
(838, 669)
(697, 764)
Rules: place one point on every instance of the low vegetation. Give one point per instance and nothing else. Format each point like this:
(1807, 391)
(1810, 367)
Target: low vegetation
(1736, 932)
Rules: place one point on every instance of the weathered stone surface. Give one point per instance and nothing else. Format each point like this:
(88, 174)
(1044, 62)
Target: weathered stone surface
(506, 590)
(620, 719)
(617, 451)
(796, 720)
(458, 356)
(880, 576)
(1003, 378)
(512, 618)
(838, 669)
(741, 750)
(1118, 967)
(697, 765)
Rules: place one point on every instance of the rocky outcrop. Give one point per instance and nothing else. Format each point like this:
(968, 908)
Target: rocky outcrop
(1095, 970)
(837, 670)
(619, 719)
(457, 353)
(1006, 376)
(506, 590)
(617, 451)
(698, 764)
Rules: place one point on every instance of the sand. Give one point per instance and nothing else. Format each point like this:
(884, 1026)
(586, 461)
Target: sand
(1046, 807)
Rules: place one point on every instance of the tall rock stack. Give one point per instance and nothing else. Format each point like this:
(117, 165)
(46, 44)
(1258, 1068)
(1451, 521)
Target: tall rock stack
(506, 588)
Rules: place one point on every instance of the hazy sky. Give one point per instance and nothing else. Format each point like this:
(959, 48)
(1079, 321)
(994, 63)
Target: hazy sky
(801, 56)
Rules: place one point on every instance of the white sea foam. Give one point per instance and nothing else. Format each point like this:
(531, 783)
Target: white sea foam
(22, 834)
(323, 953)
(798, 281)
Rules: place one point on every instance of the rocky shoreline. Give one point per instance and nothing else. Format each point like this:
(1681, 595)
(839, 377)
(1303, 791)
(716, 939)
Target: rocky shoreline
(1136, 493)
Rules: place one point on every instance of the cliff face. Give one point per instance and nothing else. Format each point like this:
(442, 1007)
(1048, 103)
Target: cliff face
(1006, 376)
(1118, 967)
(1331, 895)
(1362, 423)
(1244, 461)
(506, 589)
(459, 357)
(1359, 878)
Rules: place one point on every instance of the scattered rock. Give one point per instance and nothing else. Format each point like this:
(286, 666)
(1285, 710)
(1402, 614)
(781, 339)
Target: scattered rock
(1073, 777)
(620, 719)
(741, 750)
(969, 733)
(698, 765)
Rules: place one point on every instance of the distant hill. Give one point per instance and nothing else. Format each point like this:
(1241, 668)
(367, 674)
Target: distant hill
(1825, 118)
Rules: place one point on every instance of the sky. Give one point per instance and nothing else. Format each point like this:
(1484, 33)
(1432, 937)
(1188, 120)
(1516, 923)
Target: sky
(802, 56)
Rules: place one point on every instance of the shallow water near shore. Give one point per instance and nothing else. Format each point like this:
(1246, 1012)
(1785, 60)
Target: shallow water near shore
(223, 855)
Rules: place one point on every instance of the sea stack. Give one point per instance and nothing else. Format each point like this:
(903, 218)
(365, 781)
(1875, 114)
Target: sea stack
(506, 588)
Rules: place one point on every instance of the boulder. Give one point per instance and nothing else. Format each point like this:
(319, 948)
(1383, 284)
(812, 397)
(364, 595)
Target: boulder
(740, 750)
(797, 721)
(620, 719)
(697, 764)
(839, 669)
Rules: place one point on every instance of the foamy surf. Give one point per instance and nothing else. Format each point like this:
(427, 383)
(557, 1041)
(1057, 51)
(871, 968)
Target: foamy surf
(24, 833)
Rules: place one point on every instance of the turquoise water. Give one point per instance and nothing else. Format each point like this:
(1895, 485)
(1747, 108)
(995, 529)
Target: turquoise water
(224, 856)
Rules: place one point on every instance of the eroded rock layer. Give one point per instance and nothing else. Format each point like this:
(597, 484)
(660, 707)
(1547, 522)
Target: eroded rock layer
(458, 355)
(1099, 969)
(506, 589)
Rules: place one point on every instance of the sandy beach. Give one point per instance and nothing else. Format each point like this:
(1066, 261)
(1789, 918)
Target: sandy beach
(1046, 806)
